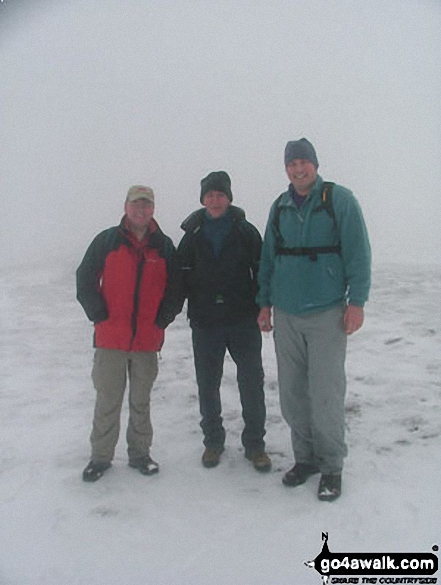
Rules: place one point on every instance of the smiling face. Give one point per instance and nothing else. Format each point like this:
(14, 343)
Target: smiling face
(302, 174)
(139, 213)
(216, 203)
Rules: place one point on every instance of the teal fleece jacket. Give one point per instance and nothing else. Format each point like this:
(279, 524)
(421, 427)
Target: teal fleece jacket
(299, 285)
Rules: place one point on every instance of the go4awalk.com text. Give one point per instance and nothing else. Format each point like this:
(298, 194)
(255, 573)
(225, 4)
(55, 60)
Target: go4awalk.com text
(387, 564)
(376, 568)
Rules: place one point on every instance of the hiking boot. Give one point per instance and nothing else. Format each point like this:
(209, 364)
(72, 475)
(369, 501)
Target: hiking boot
(94, 471)
(299, 474)
(211, 456)
(144, 465)
(329, 488)
(259, 459)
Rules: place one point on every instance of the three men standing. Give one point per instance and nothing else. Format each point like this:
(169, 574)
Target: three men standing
(219, 257)
(315, 274)
(126, 284)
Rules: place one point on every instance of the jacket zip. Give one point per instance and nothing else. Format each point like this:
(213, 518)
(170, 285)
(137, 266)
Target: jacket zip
(136, 297)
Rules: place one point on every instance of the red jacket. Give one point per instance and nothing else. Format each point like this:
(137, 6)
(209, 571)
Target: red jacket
(126, 288)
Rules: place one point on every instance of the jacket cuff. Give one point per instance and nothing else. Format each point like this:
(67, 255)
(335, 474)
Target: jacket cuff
(102, 316)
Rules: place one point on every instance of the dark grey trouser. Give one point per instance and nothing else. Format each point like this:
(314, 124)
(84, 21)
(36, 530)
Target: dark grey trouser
(109, 374)
(311, 353)
(244, 343)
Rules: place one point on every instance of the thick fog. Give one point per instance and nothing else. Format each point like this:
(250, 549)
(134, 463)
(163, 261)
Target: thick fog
(97, 95)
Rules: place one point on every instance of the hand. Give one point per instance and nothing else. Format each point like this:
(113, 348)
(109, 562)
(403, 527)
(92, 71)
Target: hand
(264, 319)
(353, 318)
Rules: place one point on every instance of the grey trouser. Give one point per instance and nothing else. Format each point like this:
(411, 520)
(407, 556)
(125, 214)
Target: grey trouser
(311, 352)
(109, 375)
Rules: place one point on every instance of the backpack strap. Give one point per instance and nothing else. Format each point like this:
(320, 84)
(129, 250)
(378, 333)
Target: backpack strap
(276, 223)
(313, 251)
(326, 203)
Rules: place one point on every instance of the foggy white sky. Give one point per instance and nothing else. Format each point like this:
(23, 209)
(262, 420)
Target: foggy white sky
(97, 95)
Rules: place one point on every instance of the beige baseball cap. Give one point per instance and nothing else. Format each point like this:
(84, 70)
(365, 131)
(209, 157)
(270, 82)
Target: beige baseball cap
(140, 192)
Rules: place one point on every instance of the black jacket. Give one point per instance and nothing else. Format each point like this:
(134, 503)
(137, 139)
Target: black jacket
(220, 290)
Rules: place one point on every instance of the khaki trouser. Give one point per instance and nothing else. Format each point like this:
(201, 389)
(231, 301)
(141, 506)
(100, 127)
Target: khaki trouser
(311, 352)
(109, 375)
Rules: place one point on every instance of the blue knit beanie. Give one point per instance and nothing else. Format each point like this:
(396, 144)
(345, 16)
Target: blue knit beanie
(300, 149)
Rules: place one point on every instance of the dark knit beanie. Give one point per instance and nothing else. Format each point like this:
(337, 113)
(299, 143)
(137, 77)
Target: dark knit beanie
(217, 181)
(300, 149)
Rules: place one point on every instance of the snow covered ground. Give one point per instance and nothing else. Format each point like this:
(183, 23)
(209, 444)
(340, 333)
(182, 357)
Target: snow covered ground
(228, 525)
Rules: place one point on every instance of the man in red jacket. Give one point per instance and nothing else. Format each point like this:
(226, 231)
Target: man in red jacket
(126, 285)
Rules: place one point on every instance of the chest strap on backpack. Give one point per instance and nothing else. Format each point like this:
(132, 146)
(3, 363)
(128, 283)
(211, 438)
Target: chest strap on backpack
(313, 251)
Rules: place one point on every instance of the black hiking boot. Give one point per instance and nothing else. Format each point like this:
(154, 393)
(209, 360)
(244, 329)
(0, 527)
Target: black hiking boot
(329, 488)
(211, 456)
(94, 471)
(144, 465)
(299, 474)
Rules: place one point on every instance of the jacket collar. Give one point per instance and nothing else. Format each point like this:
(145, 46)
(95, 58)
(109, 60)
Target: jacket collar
(314, 193)
(153, 239)
(196, 219)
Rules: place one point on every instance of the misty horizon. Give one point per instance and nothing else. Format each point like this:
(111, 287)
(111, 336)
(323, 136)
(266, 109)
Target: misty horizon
(97, 96)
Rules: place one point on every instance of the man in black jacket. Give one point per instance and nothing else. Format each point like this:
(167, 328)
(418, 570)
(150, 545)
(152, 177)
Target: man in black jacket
(219, 257)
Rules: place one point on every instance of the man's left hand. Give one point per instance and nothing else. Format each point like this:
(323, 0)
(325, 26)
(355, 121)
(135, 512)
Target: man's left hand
(353, 318)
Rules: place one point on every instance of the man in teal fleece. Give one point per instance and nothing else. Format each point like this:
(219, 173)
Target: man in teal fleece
(314, 276)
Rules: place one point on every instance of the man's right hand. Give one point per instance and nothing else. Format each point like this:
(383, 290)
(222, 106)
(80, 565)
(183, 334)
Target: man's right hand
(264, 319)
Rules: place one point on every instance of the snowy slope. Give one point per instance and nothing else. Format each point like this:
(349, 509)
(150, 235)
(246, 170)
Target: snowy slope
(228, 525)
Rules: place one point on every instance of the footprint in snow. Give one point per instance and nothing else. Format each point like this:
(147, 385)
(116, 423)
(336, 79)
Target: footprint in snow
(393, 340)
(104, 512)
